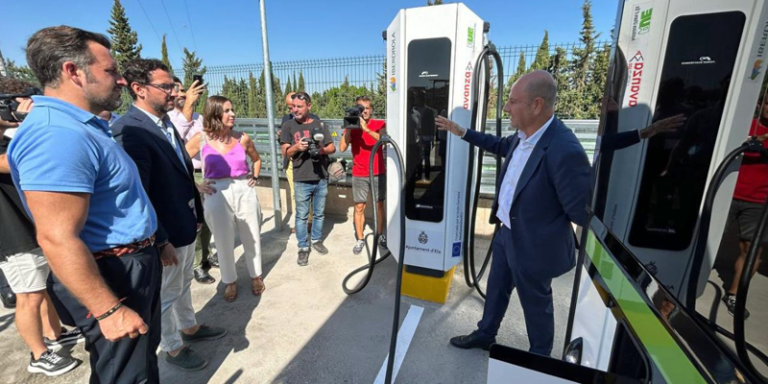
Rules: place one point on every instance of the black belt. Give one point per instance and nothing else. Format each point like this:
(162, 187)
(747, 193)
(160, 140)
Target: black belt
(198, 170)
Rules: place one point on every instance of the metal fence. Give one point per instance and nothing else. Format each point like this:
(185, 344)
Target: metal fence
(319, 75)
(585, 130)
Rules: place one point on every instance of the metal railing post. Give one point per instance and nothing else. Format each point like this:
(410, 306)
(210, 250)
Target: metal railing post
(271, 119)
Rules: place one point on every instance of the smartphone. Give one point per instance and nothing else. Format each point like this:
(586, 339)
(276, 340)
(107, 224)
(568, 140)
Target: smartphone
(199, 79)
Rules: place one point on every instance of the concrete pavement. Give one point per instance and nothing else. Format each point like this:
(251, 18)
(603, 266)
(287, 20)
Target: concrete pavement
(304, 329)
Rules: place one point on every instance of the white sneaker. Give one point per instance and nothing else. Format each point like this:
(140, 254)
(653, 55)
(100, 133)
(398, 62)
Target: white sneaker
(359, 245)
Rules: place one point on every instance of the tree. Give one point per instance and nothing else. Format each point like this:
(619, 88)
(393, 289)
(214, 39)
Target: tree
(519, 72)
(542, 54)
(193, 65)
(301, 86)
(596, 86)
(20, 72)
(581, 76)
(164, 55)
(583, 55)
(288, 88)
(124, 39)
(436, 2)
(257, 105)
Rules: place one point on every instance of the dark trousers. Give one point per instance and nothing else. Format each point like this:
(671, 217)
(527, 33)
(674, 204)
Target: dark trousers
(135, 277)
(203, 248)
(535, 296)
(203, 239)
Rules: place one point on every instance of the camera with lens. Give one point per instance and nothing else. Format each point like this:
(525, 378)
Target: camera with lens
(8, 105)
(352, 117)
(314, 144)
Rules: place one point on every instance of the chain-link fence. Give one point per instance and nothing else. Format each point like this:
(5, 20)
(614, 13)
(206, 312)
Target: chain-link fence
(333, 83)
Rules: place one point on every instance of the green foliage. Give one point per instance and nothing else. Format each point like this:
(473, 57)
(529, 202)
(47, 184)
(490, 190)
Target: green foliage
(436, 2)
(256, 101)
(164, 55)
(237, 92)
(124, 39)
(301, 84)
(193, 65)
(542, 54)
(288, 88)
(20, 72)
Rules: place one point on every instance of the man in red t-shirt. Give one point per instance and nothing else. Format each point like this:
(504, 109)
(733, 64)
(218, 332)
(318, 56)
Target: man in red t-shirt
(362, 141)
(747, 205)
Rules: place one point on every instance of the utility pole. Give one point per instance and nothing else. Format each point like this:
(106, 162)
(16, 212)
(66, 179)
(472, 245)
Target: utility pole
(271, 119)
(3, 72)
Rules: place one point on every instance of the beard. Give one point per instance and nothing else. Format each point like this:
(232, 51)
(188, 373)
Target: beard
(107, 100)
(179, 103)
(163, 107)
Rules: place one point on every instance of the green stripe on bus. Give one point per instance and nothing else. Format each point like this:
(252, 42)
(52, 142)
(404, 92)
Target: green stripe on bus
(666, 354)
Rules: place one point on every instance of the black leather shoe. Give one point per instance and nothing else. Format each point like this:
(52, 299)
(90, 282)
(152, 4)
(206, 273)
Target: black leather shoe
(9, 299)
(473, 340)
(213, 261)
(202, 276)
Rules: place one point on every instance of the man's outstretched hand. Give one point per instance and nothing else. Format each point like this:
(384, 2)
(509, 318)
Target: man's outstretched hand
(444, 124)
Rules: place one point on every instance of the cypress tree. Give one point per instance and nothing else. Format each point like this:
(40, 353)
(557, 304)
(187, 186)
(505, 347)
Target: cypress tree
(164, 55)
(124, 39)
(542, 54)
(301, 87)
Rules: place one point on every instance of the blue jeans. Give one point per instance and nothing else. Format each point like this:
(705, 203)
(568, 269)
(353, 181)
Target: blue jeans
(317, 192)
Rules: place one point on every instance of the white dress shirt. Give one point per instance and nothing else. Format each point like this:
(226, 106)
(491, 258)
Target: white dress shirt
(516, 165)
(168, 132)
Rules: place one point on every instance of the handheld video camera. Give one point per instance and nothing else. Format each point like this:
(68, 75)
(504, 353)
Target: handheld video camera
(315, 142)
(8, 105)
(352, 117)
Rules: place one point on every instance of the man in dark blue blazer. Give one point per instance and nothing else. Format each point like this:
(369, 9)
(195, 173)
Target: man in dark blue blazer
(148, 136)
(543, 189)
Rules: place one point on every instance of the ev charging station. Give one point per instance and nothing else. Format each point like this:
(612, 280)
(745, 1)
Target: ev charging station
(649, 196)
(659, 207)
(431, 52)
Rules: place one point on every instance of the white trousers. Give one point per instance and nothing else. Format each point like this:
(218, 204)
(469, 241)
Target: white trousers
(176, 311)
(234, 207)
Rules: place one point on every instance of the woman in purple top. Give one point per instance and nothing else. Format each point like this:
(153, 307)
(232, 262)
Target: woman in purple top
(230, 201)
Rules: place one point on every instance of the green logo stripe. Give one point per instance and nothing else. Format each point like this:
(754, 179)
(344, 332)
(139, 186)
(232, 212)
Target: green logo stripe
(666, 354)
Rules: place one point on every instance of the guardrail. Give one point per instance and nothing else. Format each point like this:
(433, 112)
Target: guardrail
(585, 130)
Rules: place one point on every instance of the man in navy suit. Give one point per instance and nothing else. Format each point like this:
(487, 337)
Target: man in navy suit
(148, 136)
(544, 187)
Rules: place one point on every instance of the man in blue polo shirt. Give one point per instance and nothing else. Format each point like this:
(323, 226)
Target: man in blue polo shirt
(94, 221)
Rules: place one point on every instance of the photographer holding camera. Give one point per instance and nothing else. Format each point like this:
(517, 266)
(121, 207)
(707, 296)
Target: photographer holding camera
(362, 141)
(308, 143)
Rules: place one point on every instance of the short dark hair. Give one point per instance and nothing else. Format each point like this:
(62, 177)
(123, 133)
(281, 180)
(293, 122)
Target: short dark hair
(50, 47)
(177, 80)
(364, 98)
(140, 70)
(10, 85)
(302, 96)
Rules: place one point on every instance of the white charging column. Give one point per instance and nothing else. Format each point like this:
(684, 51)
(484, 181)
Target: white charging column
(431, 53)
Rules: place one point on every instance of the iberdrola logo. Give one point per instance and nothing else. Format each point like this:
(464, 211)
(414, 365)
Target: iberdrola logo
(756, 69)
(393, 83)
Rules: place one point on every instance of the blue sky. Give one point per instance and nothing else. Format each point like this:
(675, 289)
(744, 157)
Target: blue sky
(229, 32)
